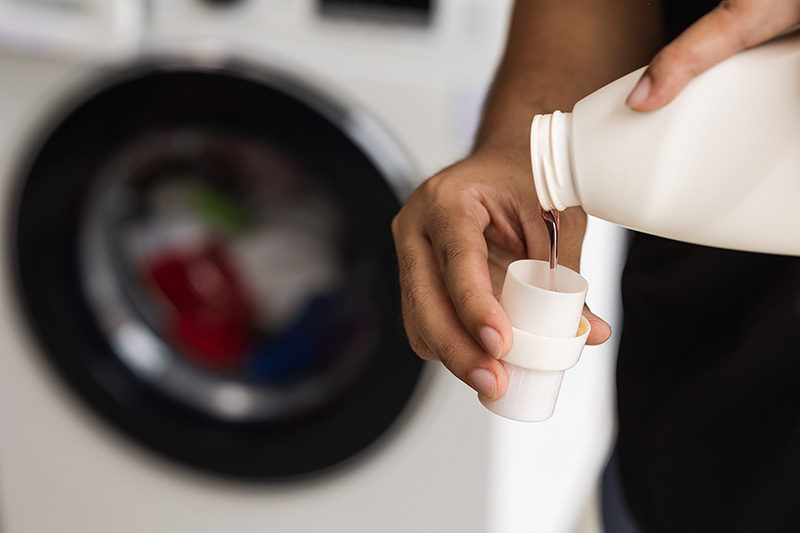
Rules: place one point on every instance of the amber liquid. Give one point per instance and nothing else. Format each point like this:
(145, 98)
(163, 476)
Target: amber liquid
(551, 220)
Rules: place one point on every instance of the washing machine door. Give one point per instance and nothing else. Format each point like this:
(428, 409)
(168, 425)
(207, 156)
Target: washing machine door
(206, 256)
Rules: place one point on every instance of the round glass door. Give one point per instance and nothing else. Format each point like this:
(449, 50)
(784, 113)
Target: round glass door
(207, 259)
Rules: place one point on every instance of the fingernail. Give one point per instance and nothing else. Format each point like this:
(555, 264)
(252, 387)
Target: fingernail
(640, 92)
(483, 381)
(492, 341)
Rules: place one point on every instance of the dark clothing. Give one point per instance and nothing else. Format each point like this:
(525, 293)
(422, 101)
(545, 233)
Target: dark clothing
(707, 392)
(707, 381)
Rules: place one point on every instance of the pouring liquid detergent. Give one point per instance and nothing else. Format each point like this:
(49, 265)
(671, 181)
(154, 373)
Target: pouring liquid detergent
(543, 302)
(552, 219)
(699, 170)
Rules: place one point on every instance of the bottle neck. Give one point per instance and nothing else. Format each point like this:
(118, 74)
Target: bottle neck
(551, 158)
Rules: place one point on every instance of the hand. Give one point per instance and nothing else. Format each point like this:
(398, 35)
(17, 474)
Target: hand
(455, 237)
(729, 28)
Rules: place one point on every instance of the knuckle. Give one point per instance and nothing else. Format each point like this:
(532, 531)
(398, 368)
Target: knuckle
(431, 191)
(669, 57)
(449, 353)
(414, 301)
(439, 222)
(444, 191)
(675, 63)
(414, 339)
(451, 253)
(467, 298)
(733, 17)
(406, 268)
(420, 348)
(730, 8)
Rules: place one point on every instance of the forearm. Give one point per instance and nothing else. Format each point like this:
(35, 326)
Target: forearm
(557, 52)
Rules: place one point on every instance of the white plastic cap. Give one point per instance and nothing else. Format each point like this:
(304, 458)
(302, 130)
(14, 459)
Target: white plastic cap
(549, 335)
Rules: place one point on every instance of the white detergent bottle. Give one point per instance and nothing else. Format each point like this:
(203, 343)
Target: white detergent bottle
(719, 165)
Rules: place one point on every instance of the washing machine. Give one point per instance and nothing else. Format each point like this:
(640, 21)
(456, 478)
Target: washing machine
(198, 308)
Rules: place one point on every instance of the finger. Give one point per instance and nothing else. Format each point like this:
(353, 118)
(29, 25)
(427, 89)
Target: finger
(727, 29)
(407, 273)
(416, 341)
(462, 256)
(432, 321)
(600, 332)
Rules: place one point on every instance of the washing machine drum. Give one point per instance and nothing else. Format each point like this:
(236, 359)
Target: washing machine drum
(207, 259)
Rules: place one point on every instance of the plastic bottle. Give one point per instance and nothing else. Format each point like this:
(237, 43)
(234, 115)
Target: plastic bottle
(719, 165)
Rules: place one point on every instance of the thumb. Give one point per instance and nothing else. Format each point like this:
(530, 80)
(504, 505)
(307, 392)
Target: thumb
(727, 29)
(600, 331)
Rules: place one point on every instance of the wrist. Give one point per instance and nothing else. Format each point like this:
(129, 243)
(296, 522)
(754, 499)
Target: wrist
(507, 152)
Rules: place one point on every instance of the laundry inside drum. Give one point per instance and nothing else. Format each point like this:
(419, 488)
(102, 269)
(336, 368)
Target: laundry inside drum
(228, 276)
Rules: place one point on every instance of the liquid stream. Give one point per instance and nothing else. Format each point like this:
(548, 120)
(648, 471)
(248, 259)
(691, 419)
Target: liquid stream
(551, 220)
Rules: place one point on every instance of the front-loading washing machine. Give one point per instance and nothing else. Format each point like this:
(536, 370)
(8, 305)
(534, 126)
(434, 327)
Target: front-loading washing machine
(198, 312)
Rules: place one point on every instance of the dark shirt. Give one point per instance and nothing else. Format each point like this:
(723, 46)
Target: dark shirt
(707, 381)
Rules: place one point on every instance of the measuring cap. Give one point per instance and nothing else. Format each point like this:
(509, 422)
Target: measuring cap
(549, 335)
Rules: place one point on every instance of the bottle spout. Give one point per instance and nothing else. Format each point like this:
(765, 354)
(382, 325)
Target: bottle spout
(551, 159)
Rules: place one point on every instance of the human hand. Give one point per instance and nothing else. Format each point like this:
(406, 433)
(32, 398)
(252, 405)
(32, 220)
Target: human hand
(729, 28)
(455, 238)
